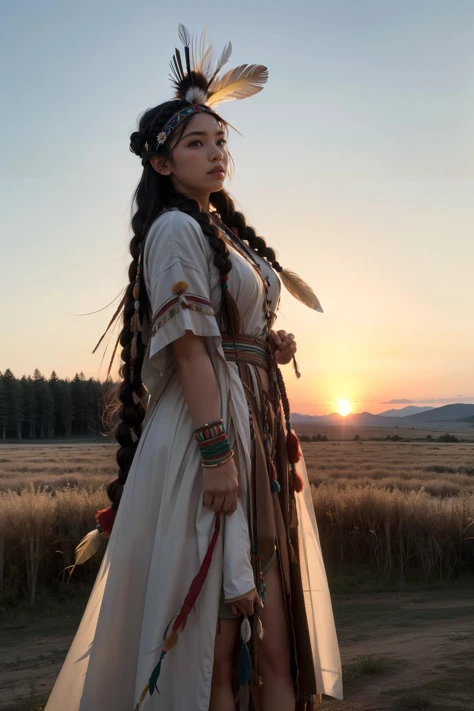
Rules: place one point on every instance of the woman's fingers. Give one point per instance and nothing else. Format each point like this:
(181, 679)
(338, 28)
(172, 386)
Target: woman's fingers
(285, 355)
(275, 338)
(289, 338)
(230, 504)
(224, 504)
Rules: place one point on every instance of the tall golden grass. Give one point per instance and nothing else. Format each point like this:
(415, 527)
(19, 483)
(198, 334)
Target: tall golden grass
(393, 510)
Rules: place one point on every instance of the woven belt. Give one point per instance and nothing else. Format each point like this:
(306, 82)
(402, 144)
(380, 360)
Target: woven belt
(246, 349)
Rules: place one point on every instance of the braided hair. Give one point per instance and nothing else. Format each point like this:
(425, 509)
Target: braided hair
(224, 205)
(153, 193)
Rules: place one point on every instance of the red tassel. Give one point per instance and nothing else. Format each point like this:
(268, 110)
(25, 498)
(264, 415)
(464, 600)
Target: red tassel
(105, 518)
(299, 483)
(198, 581)
(293, 448)
(296, 480)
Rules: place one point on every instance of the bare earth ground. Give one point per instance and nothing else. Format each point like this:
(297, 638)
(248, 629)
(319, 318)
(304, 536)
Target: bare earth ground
(424, 639)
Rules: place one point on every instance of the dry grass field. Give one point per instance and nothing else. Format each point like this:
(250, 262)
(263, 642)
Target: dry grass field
(386, 510)
(389, 514)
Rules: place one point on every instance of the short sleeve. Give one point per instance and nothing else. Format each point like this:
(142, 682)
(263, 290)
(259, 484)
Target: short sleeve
(176, 270)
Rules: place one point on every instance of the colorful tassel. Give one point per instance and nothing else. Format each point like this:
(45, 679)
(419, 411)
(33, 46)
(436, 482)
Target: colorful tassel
(180, 621)
(105, 519)
(293, 447)
(244, 664)
(274, 485)
(298, 483)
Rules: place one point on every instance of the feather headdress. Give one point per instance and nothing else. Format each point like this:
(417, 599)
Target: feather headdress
(200, 83)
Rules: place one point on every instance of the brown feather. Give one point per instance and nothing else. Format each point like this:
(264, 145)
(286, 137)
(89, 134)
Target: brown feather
(239, 83)
(300, 290)
(110, 322)
(113, 356)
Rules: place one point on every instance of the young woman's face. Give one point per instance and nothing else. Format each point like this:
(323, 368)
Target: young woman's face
(199, 159)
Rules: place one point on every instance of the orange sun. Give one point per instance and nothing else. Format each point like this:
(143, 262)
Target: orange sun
(344, 407)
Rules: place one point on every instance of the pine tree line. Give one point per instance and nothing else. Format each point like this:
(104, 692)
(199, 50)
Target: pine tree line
(37, 408)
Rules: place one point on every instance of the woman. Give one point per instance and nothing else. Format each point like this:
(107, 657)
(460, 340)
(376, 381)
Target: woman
(212, 589)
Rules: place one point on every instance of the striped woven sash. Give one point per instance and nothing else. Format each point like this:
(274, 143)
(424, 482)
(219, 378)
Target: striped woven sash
(246, 349)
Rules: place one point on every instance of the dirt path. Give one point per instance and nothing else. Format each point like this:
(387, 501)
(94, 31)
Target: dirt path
(421, 647)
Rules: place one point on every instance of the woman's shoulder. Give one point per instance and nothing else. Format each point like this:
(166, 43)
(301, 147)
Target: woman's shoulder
(173, 231)
(175, 222)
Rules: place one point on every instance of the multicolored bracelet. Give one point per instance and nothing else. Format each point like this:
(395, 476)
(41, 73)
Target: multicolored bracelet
(229, 456)
(213, 443)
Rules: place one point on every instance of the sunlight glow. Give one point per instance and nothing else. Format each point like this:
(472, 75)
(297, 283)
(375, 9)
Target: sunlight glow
(344, 407)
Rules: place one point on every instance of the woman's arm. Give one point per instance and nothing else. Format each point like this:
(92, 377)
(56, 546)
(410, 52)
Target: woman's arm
(199, 385)
(198, 380)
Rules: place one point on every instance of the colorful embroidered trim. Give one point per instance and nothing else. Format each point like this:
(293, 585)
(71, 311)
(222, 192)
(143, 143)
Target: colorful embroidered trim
(209, 430)
(247, 350)
(175, 120)
(171, 307)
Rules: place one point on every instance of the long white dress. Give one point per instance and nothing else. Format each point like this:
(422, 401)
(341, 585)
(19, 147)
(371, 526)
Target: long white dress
(162, 530)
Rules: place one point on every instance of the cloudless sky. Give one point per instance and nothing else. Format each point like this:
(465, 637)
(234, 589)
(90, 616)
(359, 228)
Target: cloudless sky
(357, 166)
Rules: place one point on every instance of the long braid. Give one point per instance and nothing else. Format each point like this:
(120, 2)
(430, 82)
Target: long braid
(229, 312)
(124, 406)
(224, 204)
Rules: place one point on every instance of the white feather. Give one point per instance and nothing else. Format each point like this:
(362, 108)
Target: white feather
(245, 630)
(239, 83)
(86, 548)
(195, 95)
(184, 35)
(300, 290)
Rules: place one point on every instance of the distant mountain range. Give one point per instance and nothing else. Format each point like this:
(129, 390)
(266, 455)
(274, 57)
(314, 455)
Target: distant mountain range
(457, 415)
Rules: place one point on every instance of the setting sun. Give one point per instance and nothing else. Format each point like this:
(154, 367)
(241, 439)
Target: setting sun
(344, 407)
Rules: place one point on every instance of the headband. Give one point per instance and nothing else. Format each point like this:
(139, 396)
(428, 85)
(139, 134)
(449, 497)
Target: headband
(201, 86)
(174, 121)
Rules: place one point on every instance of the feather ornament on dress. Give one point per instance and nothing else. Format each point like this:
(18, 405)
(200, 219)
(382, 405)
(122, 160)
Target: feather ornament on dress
(300, 290)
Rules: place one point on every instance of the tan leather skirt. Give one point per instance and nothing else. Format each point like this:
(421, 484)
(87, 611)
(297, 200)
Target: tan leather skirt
(272, 518)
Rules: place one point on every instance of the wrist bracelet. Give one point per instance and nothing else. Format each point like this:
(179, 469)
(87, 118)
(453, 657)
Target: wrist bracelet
(227, 458)
(209, 431)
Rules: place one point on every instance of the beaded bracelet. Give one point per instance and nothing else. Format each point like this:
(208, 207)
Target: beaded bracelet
(213, 443)
(219, 464)
(209, 430)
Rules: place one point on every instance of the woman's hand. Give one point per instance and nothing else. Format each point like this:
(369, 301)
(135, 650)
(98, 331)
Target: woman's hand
(247, 604)
(283, 345)
(221, 487)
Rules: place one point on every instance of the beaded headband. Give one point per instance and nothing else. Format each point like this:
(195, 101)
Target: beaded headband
(201, 87)
(174, 121)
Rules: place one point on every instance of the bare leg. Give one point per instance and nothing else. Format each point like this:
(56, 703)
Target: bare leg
(222, 698)
(275, 657)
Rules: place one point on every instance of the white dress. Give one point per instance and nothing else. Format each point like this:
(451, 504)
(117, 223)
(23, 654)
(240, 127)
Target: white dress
(162, 530)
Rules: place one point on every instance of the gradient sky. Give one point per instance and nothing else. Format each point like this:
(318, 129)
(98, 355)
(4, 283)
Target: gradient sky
(357, 166)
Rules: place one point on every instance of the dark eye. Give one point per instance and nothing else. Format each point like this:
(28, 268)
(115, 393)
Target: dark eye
(194, 143)
(222, 140)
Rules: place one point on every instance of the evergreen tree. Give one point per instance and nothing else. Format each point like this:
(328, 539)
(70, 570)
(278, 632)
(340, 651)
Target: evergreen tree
(3, 408)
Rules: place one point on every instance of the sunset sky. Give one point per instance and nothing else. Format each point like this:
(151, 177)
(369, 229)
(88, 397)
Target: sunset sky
(356, 165)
